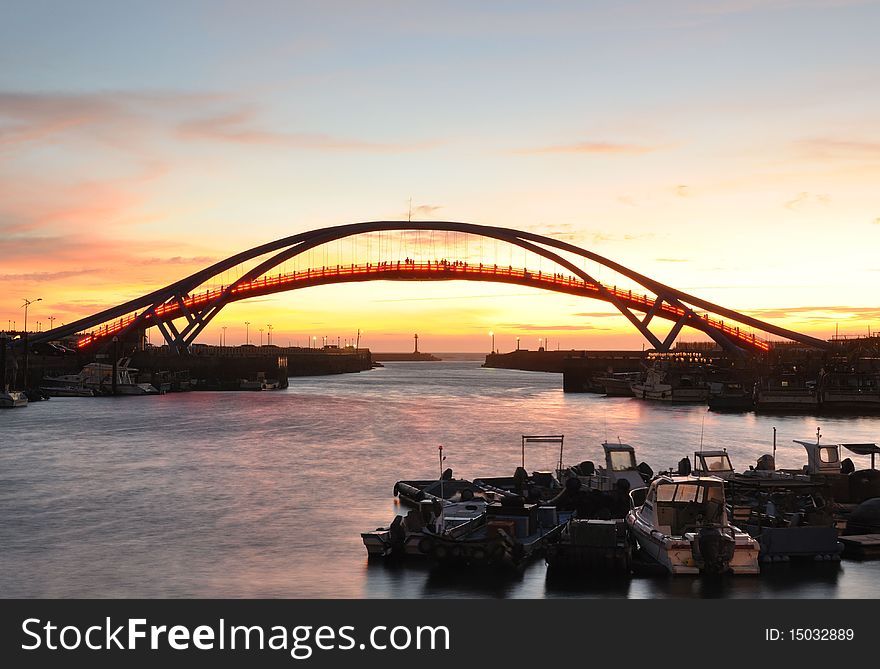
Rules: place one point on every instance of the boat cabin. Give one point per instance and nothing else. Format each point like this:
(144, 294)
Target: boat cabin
(825, 458)
(713, 463)
(680, 504)
(620, 463)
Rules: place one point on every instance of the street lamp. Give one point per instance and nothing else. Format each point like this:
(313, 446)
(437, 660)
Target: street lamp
(269, 334)
(26, 304)
(247, 332)
(51, 322)
(314, 341)
(261, 336)
(492, 334)
(517, 343)
(223, 341)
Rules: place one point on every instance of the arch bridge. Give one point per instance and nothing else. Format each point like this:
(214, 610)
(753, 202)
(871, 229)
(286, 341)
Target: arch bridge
(183, 309)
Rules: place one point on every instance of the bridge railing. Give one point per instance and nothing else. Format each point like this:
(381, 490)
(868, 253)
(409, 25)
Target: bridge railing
(172, 309)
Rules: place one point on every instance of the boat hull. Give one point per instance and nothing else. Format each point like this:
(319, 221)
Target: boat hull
(13, 399)
(679, 555)
(667, 393)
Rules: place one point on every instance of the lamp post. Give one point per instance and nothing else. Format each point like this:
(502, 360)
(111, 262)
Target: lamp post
(223, 341)
(51, 322)
(314, 341)
(26, 304)
(492, 334)
(517, 343)
(261, 337)
(247, 332)
(269, 334)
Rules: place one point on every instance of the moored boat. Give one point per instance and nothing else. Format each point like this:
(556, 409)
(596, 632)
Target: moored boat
(676, 386)
(682, 524)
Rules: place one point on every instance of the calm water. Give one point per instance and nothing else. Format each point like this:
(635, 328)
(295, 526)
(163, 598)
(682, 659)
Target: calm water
(265, 494)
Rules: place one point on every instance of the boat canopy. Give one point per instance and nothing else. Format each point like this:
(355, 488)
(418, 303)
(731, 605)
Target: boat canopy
(619, 457)
(712, 463)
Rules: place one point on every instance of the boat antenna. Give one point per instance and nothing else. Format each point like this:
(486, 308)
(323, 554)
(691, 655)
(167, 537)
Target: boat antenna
(702, 424)
(818, 435)
(774, 446)
(605, 421)
(442, 458)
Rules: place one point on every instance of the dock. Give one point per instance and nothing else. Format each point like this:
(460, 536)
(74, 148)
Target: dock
(861, 546)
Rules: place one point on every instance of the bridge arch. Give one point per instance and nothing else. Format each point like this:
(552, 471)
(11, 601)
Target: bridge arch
(162, 307)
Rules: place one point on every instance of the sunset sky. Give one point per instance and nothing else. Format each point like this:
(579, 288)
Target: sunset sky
(730, 149)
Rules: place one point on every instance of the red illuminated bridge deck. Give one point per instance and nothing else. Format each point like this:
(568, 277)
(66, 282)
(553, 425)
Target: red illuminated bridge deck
(428, 271)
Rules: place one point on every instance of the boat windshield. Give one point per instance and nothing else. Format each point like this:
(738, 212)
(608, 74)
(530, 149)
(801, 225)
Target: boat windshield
(683, 507)
(621, 460)
(716, 463)
(829, 454)
(695, 491)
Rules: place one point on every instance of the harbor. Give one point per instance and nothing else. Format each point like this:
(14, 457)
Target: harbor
(227, 507)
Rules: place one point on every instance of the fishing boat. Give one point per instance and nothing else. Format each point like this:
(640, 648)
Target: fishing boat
(508, 534)
(787, 392)
(405, 536)
(682, 524)
(849, 486)
(620, 464)
(849, 392)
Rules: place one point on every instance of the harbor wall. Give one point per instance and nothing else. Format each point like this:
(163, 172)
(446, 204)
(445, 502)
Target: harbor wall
(212, 367)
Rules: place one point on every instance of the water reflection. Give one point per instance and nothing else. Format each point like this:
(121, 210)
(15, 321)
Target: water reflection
(265, 494)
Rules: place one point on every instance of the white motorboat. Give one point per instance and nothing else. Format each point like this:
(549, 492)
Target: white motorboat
(10, 399)
(682, 524)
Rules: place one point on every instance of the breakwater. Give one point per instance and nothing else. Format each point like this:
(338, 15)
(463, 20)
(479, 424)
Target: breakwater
(205, 367)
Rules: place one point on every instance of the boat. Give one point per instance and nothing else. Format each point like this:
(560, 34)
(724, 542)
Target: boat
(731, 396)
(620, 464)
(788, 392)
(672, 385)
(98, 377)
(68, 391)
(789, 515)
(11, 399)
(681, 523)
(849, 486)
(791, 518)
(618, 384)
(508, 534)
(849, 392)
(405, 536)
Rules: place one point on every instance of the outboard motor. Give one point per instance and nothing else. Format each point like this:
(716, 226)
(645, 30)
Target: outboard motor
(714, 550)
(766, 463)
(646, 471)
(587, 468)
